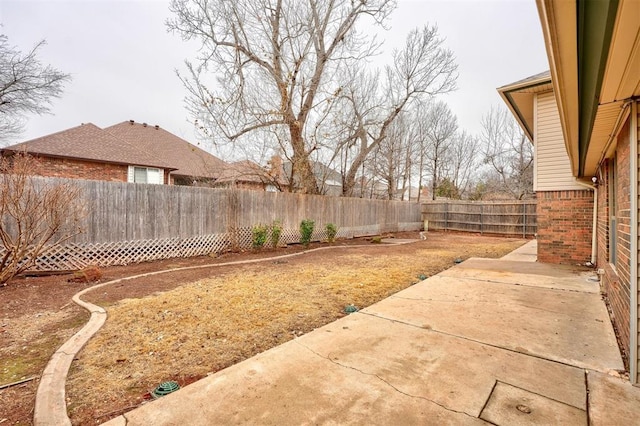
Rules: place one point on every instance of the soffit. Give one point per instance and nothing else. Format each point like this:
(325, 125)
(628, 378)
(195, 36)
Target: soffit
(519, 97)
(621, 81)
(603, 131)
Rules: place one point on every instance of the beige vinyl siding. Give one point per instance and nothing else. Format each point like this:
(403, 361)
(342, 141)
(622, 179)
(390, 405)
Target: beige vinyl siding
(552, 170)
(637, 301)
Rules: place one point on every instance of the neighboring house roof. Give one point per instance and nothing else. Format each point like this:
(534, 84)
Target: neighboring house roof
(243, 171)
(89, 142)
(188, 159)
(519, 98)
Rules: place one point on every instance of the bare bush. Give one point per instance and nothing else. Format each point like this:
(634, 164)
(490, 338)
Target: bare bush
(35, 215)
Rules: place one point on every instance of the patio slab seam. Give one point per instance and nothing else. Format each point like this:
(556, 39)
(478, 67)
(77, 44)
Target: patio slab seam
(587, 401)
(539, 394)
(386, 382)
(490, 302)
(518, 284)
(469, 339)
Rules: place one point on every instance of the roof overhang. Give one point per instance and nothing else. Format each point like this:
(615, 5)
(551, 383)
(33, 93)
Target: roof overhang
(519, 97)
(594, 57)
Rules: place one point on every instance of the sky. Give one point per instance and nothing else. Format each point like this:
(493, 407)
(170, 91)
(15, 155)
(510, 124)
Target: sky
(123, 60)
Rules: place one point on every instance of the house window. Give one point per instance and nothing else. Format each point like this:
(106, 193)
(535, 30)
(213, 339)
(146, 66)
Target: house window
(145, 175)
(612, 210)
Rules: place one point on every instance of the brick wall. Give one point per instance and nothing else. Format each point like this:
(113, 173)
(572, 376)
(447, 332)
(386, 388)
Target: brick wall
(615, 281)
(565, 220)
(80, 169)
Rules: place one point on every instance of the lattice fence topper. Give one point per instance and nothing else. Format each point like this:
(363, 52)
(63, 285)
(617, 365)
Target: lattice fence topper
(74, 256)
(78, 255)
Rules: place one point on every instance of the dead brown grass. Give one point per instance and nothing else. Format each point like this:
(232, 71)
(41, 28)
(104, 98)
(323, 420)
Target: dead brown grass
(207, 325)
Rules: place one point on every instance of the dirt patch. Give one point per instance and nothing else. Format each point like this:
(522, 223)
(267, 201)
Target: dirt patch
(199, 321)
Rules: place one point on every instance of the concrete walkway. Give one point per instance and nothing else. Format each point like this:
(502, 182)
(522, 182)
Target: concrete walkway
(486, 342)
(525, 253)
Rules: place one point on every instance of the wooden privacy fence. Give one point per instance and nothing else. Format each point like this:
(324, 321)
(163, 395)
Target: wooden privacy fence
(507, 218)
(129, 222)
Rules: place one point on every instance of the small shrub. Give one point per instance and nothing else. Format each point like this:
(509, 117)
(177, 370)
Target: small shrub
(306, 229)
(88, 274)
(376, 240)
(259, 236)
(276, 231)
(332, 230)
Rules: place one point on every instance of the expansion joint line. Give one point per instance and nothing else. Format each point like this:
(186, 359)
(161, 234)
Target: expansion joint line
(518, 284)
(444, 333)
(386, 382)
(588, 397)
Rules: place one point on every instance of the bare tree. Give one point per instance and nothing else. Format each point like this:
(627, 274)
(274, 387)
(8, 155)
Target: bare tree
(26, 87)
(508, 152)
(274, 60)
(419, 141)
(35, 216)
(441, 126)
(390, 160)
(422, 69)
(463, 159)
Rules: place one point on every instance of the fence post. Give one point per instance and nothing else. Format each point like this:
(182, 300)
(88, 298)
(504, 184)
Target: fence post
(233, 210)
(524, 220)
(481, 219)
(446, 215)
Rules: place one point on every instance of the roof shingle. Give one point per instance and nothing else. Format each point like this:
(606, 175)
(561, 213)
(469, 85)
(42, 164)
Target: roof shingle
(127, 143)
(89, 142)
(188, 159)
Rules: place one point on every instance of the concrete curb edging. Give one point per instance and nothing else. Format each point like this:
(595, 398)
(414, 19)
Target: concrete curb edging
(51, 406)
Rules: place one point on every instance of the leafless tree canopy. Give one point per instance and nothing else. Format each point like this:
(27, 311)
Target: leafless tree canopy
(274, 61)
(35, 215)
(289, 73)
(370, 102)
(464, 158)
(441, 126)
(26, 87)
(508, 152)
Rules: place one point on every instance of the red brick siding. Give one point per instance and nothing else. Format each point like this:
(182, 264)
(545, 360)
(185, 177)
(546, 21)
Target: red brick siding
(82, 169)
(565, 220)
(615, 281)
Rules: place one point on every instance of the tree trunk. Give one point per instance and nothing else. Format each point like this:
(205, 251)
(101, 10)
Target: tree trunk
(420, 174)
(300, 164)
(434, 177)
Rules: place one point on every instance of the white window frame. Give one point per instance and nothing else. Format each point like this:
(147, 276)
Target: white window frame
(157, 175)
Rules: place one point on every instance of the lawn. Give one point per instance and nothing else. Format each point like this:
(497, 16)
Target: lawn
(185, 326)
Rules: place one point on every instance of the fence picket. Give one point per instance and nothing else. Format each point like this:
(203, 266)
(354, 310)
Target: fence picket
(130, 222)
(507, 218)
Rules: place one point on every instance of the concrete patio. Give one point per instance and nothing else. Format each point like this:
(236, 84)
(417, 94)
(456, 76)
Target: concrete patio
(503, 342)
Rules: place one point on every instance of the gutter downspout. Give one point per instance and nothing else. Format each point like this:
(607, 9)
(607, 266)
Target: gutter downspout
(633, 255)
(594, 226)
